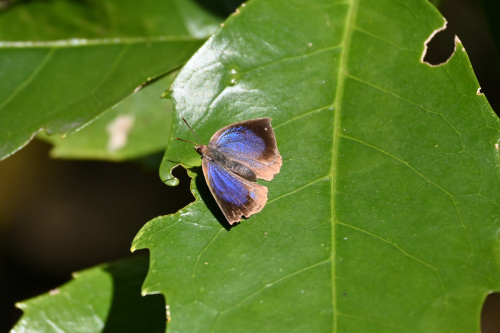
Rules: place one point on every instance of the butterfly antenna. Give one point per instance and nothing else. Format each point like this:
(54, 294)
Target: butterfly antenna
(191, 131)
(193, 143)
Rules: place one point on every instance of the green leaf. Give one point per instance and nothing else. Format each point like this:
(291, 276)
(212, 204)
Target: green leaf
(386, 213)
(63, 19)
(138, 126)
(64, 71)
(105, 298)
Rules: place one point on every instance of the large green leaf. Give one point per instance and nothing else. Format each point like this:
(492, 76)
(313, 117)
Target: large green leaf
(105, 298)
(72, 61)
(385, 215)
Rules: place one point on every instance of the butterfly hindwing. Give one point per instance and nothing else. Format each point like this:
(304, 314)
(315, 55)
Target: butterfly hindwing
(251, 143)
(235, 195)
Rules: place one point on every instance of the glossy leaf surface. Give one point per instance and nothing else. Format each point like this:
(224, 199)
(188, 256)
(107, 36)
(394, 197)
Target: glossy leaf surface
(385, 215)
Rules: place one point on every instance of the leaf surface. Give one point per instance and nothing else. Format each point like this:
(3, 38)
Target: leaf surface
(385, 216)
(138, 126)
(65, 69)
(105, 298)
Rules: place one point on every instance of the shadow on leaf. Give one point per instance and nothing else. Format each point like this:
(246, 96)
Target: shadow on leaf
(129, 310)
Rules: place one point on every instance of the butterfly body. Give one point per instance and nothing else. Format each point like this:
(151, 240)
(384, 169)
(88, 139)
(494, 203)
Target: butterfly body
(236, 156)
(212, 155)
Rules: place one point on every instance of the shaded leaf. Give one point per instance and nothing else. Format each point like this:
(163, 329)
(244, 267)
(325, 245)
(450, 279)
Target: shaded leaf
(385, 215)
(138, 126)
(66, 69)
(105, 298)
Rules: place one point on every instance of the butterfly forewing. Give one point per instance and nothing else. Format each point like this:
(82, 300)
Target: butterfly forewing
(252, 143)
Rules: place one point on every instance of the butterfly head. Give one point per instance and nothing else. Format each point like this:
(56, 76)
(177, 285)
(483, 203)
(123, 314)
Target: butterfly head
(199, 149)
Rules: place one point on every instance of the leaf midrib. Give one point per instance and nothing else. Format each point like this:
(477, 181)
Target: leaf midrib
(79, 42)
(341, 75)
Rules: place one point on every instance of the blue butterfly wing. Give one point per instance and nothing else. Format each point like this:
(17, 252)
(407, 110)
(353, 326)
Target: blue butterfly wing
(241, 141)
(251, 143)
(235, 195)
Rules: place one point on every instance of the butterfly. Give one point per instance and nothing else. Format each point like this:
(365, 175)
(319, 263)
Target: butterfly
(236, 156)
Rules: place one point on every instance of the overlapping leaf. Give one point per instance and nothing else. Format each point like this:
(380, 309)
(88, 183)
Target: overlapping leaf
(386, 213)
(101, 299)
(138, 126)
(72, 61)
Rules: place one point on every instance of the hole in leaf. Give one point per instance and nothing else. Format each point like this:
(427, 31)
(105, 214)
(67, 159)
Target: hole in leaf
(490, 321)
(440, 46)
(476, 24)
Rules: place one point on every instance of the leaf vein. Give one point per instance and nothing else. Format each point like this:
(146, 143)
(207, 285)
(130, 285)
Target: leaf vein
(111, 68)
(408, 165)
(399, 47)
(399, 248)
(29, 79)
(337, 101)
(409, 102)
(291, 58)
(195, 266)
(299, 188)
(82, 42)
(302, 115)
(270, 284)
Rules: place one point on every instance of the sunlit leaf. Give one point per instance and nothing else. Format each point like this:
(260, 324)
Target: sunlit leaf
(385, 215)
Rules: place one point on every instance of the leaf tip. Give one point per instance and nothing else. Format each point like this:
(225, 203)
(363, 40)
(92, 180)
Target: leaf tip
(168, 178)
(20, 305)
(136, 242)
